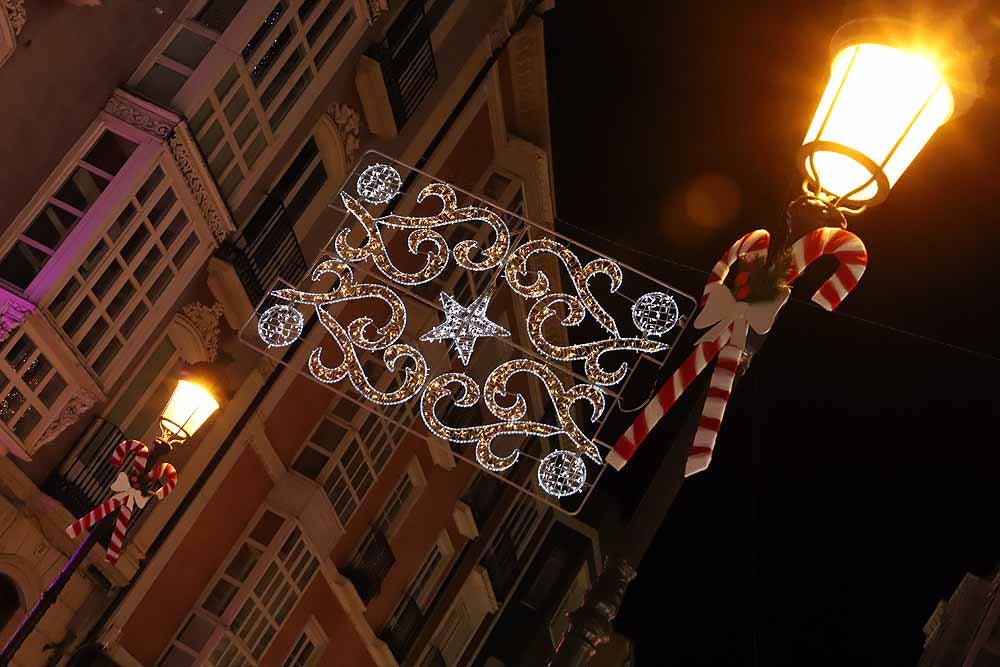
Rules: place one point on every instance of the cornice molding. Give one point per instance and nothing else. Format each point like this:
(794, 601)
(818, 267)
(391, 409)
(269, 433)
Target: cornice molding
(199, 181)
(140, 114)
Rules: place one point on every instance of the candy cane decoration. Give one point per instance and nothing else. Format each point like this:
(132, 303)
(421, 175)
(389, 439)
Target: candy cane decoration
(127, 495)
(728, 345)
(849, 251)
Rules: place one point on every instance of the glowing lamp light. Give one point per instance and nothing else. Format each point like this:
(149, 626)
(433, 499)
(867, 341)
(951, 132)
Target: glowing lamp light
(883, 102)
(189, 407)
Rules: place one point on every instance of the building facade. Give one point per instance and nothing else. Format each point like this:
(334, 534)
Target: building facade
(143, 232)
(964, 630)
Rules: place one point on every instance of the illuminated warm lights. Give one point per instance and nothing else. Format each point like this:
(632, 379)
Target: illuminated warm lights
(883, 104)
(189, 407)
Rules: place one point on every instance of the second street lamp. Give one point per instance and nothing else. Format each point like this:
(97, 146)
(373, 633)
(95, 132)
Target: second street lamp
(189, 407)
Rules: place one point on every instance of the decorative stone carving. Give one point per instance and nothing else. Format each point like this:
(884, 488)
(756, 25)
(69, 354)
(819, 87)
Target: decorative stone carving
(13, 311)
(75, 408)
(17, 15)
(348, 123)
(139, 115)
(201, 185)
(376, 8)
(200, 323)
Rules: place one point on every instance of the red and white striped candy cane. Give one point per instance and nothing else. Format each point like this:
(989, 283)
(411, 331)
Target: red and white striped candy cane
(750, 248)
(719, 389)
(663, 401)
(124, 500)
(842, 244)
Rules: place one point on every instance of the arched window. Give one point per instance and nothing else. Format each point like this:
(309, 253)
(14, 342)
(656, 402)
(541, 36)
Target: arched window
(10, 600)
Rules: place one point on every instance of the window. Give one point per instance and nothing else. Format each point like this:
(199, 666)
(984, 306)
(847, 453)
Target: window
(349, 448)
(31, 386)
(64, 208)
(308, 647)
(250, 102)
(187, 48)
(217, 14)
(425, 583)
(249, 600)
(118, 285)
(520, 522)
(304, 177)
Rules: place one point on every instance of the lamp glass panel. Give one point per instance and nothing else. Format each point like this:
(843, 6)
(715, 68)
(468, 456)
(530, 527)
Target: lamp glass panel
(190, 406)
(877, 96)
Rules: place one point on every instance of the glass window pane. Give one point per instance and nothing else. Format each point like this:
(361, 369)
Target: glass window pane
(221, 160)
(267, 527)
(185, 250)
(52, 391)
(121, 223)
(156, 289)
(122, 298)
(219, 598)
(81, 189)
(134, 243)
(210, 139)
(113, 347)
(19, 352)
(345, 409)
(293, 95)
(51, 226)
(310, 463)
(174, 229)
(22, 264)
(236, 105)
(97, 331)
(159, 211)
(196, 632)
(198, 120)
(149, 186)
(334, 39)
(232, 181)
(107, 279)
(265, 27)
(161, 83)
(329, 434)
(76, 320)
(246, 128)
(11, 403)
(176, 657)
(148, 263)
(257, 147)
(226, 82)
(93, 259)
(110, 152)
(36, 372)
(134, 318)
(188, 48)
(217, 14)
(243, 562)
(65, 294)
(281, 78)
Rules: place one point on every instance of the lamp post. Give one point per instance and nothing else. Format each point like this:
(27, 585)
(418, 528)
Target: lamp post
(891, 87)
(190, 405)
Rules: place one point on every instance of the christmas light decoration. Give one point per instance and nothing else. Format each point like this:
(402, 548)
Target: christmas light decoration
(589, 352)
(655, 313)
(465, 325)
(280, 325)
(562, 473)
(379, 183)
(437, 256)
(356, 334)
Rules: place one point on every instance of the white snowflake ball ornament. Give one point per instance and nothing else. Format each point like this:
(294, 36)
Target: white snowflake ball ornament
(280, 325)
(379, 183)
(562, 473)
(655, 313)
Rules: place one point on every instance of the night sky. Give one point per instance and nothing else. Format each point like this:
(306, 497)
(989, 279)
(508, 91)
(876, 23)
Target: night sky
(857, 475)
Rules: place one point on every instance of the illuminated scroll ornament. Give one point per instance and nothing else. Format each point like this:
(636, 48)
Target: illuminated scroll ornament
(359, 333)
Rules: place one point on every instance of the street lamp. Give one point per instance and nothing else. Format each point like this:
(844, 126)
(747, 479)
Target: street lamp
(890, 89)
(189, 407)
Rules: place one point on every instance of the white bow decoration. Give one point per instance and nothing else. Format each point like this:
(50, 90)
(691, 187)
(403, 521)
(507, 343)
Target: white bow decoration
(721, 309)
(130, 496)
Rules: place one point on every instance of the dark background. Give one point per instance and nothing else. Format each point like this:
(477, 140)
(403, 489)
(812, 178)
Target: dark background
(857, 475)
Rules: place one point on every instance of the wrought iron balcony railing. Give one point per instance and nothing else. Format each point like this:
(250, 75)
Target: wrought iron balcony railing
(406, 58)
(82, 482)
(265, 251)
(401, 632)
(370, 565)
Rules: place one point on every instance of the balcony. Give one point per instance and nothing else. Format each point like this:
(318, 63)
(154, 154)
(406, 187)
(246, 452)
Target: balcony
(396, 74)
(265, 251)
(401, 632)
(370, 565)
